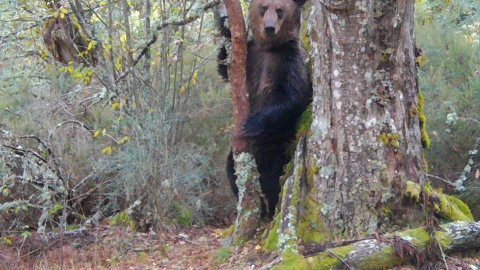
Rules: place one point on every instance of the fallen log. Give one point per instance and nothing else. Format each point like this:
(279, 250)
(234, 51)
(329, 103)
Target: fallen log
(387, 251)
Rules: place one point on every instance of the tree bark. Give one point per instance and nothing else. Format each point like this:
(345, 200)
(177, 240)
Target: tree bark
(238, 69)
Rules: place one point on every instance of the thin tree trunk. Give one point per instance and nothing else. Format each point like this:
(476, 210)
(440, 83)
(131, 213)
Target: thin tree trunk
(249, 191)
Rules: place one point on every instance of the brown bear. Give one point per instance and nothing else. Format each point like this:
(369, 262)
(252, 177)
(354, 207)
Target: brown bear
(279, 89)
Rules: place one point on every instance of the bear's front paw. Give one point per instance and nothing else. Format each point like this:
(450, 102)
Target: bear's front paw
(253, 127)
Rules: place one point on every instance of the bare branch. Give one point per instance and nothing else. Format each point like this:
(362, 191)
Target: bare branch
(178, 22)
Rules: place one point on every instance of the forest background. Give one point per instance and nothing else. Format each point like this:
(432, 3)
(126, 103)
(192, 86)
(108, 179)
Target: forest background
(115, 109)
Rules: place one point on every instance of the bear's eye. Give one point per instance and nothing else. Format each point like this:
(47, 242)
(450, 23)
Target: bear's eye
(263, 9)
(279, 12)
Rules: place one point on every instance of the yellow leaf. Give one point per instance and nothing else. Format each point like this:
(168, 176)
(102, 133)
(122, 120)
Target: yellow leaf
(103, 3)
(118, 64)
(94, 18)
(115, 106)
(182, 90)
(7, 240)
(90, 45)
(96, 133)
(64, 10)
(104, 132)
(194, 78)
(55, 15)
(107, 150)
(62, 15)
(70, 69)
(123, 39)
(421, 60)
(124, 140)
(120, 118)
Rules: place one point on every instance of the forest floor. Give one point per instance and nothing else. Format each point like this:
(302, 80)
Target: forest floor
(115, 247)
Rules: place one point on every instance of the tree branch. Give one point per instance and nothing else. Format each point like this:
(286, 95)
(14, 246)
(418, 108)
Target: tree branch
(169, 22)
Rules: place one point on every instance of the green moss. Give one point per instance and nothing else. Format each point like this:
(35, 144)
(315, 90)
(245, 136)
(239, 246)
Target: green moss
(305, 37)
(292, 260)
(425, 163)
(123, 219)
(303, 128)
(380, 260)
(310, 228)
(420, 237)
(305, 122)
(391, 138)
(228, 231)
(413, 190)
(444, 238)
(322, 261)
(342, 252)
(428, 188)
(272, 240)
(311, 172)
(449, 207)
(387, 210)
(423, 122)
(453, 209)
(463, 207)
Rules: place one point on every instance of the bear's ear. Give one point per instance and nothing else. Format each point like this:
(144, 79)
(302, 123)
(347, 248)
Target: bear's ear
(299, 2)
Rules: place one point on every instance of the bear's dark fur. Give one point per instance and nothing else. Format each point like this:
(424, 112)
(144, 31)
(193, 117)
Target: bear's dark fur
(279, 89)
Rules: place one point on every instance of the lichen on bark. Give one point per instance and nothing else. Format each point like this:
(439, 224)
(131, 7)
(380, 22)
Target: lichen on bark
(249, 198)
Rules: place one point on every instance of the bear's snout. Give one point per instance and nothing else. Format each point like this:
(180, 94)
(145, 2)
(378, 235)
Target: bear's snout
(270, 30)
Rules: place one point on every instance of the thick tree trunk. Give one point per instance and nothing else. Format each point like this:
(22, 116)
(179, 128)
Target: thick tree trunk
(365, 138)
(351, 170)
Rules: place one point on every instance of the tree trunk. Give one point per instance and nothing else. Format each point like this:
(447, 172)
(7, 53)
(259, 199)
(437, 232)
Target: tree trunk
(365, 140)
(359, 170)
(249, 191)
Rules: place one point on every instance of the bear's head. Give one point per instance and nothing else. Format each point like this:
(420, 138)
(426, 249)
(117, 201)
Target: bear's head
(275, 22)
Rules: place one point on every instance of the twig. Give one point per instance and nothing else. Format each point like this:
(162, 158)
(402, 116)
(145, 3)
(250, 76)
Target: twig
(340, 259)
(78, 123)
(271, 264)
(443, 180)
(443, 254)
(23, 151)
